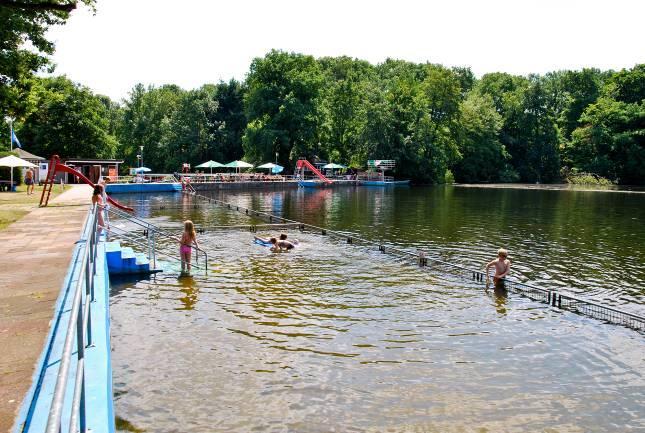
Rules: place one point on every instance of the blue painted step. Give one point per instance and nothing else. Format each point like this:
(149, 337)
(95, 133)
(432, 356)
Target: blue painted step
(123, 260)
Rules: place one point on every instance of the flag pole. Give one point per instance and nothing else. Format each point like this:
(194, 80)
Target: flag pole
(10, 151)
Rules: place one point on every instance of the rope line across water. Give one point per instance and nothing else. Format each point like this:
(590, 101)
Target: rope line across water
(555, 298)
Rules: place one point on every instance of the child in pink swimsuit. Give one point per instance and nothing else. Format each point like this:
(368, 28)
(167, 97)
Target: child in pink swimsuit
(185, 245)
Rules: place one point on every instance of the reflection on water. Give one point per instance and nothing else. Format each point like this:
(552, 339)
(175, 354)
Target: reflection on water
(335, 337)
(500, 294)
(190, 292)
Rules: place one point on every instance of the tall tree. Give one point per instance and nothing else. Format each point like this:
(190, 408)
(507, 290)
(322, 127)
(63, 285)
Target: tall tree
(611, 139)
(281, 107)
(340, 116)
(24, 46)
(69, 120)
(484, 158)
(146, 122)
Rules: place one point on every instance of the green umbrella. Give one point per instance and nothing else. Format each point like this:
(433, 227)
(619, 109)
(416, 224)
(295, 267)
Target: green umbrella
(210, 164)
(333, 166)
(239, 164)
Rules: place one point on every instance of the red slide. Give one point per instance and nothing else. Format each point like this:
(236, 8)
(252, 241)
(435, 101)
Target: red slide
(54, 167)
(310, 166)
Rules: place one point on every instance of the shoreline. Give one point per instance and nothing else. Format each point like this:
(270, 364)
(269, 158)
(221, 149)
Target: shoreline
(550, 187)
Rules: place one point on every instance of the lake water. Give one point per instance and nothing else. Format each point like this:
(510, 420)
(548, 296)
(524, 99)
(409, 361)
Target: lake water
(337, 337)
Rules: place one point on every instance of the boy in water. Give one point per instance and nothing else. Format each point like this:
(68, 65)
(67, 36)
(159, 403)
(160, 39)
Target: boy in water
(283, 237)
(502, 266)
(280, 245)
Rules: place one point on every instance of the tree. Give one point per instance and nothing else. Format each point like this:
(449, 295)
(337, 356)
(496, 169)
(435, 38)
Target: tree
(67, 119)
(26, 22)
(611, 142)
(484, 158)
(146, 122)
(281, 106)
(340, 118)
(628, 85)
(228, 120)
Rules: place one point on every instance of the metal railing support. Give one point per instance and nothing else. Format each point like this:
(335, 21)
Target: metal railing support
(77, 332)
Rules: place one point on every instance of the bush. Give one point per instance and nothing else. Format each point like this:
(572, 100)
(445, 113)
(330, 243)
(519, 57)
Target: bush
(587, 179)
(508, 175)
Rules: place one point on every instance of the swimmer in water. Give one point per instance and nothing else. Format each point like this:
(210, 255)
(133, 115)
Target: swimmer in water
(283, 237)
(502, 266)
(281, 245)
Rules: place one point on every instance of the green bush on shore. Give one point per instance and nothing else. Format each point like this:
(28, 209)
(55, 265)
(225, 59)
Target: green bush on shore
(588, 179)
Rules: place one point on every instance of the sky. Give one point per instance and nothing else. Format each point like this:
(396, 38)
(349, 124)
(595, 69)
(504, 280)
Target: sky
(193, 42)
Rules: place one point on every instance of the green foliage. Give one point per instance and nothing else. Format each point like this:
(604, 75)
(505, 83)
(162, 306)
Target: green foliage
(26, 22)
(175, 126)
(484, 157)
(281, 106)
(146, 122)
(629, 85)
(611, 142)
(67, 119)
(577, 178)
(449, 178)
(440, 124)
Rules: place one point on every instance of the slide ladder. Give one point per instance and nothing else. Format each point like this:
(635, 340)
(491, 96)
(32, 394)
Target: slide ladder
(54, 167)
(303, 163)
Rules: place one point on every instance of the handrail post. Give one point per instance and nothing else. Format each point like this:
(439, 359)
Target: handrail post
(89, 291)
(80, 351)
(154, 249)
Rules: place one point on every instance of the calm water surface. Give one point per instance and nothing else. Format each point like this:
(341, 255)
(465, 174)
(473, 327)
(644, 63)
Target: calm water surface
(334, 337)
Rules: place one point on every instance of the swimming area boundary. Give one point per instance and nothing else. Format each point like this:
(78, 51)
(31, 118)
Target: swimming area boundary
(552, 297)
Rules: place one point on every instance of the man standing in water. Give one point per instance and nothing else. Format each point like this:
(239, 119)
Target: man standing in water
(502, 266)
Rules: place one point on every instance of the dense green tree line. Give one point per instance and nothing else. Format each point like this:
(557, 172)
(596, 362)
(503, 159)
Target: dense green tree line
(436, 122)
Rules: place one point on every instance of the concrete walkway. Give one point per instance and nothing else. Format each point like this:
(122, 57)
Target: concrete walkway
(37, 251)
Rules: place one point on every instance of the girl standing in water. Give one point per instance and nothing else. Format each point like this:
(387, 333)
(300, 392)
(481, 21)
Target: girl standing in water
(185, 245)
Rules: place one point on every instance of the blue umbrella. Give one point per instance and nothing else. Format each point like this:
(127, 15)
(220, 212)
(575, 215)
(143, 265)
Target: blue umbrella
(277, 169)
(142, 170)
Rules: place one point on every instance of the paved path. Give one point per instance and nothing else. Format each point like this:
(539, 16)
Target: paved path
(37, 250)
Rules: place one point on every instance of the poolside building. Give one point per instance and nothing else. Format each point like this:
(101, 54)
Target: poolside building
(93, 169)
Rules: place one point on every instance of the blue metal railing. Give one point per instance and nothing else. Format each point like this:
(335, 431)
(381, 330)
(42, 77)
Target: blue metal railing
(78, 334)
(151, 232)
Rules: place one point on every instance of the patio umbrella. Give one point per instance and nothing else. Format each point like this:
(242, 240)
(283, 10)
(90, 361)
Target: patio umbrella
(238, 164)
(275, 168)
(13, 161)
(268, 165)
(333, 166)
(142, 170)
(210, 164)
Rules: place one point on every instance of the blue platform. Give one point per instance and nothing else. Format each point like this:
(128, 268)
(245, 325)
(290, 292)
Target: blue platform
(98, 370)
(125, 188)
